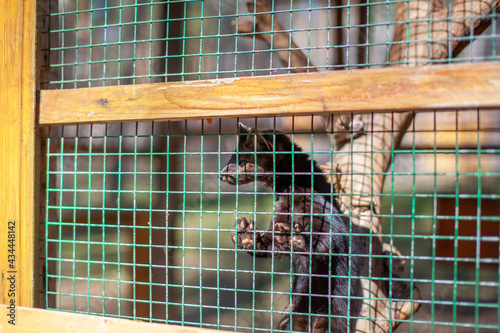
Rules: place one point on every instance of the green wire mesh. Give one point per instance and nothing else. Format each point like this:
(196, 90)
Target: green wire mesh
(138, 224)
(116, 42)
(120, 244)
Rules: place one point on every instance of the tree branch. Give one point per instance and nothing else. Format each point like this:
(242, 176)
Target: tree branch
(269, 29)
(428, 31)
(433, 32)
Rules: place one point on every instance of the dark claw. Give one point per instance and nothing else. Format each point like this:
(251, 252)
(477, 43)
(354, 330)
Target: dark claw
(299, 243)
(244, 225)
(297, 239)
(244, 235)
(280, 239)
(282, 227)
(245, 241)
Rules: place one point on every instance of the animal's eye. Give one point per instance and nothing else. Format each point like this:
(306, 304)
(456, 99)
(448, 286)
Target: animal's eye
(243, 163)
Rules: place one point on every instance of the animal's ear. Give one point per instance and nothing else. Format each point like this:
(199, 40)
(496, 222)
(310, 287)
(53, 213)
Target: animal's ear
(242, 129)
(243, 132)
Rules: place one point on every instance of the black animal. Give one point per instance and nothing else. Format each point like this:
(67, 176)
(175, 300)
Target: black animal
(306, 223)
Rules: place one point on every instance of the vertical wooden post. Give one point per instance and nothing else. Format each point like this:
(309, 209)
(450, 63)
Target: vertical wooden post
(17, 152)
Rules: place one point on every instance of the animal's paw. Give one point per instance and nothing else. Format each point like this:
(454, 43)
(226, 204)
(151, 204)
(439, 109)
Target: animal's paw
(244, 238)
(299, 240)
(282, 233)
(288, 239)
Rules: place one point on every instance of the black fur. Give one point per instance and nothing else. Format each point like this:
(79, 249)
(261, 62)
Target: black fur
(305, 222)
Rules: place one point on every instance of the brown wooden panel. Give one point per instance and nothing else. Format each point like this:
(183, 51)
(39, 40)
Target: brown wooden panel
(380, 90)
(466, 227)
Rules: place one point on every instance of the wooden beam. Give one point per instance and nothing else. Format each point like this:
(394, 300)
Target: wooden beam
(30, 320)
(17, 152)
(379, 90)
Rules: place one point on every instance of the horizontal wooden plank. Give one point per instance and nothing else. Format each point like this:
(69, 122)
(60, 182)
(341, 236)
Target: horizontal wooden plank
(379, 90)
(30, 320)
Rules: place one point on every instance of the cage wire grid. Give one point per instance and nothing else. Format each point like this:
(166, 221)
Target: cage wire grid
(95, 258)
(138, 224)
(102, 43)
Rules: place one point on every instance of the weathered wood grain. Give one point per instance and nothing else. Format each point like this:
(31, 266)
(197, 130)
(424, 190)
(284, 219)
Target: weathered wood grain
(379, 90)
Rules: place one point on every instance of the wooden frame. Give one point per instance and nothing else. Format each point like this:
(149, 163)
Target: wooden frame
(369, 90)
(18, 153)
(38, 320)
(456, 86)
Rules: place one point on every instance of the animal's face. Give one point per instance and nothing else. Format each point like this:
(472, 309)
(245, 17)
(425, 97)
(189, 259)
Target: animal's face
(253, 157)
